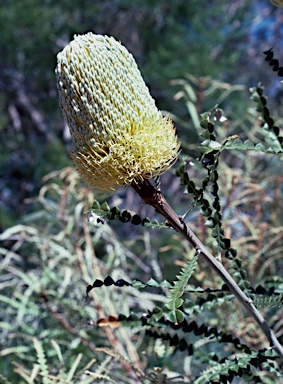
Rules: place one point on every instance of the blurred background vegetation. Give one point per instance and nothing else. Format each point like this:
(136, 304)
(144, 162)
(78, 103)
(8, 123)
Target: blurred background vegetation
(170, 38)
(193, 55)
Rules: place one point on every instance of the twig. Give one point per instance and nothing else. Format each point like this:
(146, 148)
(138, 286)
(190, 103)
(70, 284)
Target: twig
(153, 197)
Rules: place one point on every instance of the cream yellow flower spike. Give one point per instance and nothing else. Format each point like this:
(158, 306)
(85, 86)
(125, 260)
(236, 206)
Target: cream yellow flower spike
(118, 134)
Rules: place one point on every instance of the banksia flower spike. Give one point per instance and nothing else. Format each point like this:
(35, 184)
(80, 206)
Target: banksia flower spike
(119, 136)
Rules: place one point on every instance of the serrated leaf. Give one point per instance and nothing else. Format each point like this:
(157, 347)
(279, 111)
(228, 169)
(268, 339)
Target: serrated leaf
(16, 350)
(105, 207)
(210, 223)
(156, 224)
(260, 147)
(95, 205)
(146, 222)
(125, 216)
(214, 145)
(176, 316)
(136, 219)
(248, 144)
(114, 212)
(158, 316)
(205, 116)
(99, 212)
(138, 284)
(205, 134)
(178, 288)
(153, 283)
(165, 284)
(173, 304)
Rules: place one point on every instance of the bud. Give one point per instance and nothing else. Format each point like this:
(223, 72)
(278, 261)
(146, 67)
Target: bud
(118, 134)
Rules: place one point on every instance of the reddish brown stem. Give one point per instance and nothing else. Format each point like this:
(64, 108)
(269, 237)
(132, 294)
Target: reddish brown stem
(153, 197)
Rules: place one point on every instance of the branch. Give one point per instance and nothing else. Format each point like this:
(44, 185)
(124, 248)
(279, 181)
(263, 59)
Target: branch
(153, 197)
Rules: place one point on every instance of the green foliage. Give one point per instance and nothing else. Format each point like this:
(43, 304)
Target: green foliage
(274, 63)
(45, 375)
(34, 32)
(99, 212)
(268, 301)
(50, 259)
(230, 173)
(42, 287)
(272, 134)
(175, 301)
(228, 369)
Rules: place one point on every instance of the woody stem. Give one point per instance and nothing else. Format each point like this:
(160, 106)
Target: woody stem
(153, 197)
